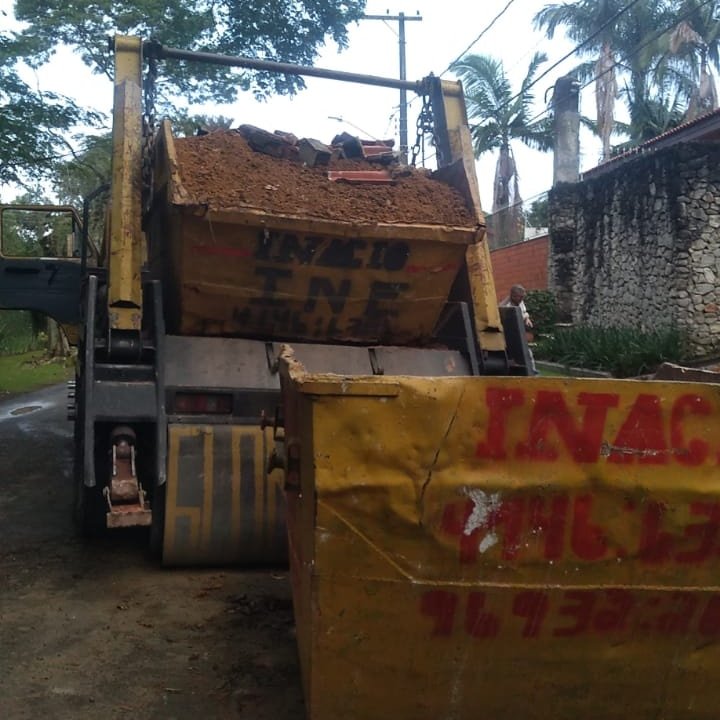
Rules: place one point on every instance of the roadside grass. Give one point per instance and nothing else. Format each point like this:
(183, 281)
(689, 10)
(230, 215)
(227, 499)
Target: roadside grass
(551, 372)
(31, 370)
(622, 351)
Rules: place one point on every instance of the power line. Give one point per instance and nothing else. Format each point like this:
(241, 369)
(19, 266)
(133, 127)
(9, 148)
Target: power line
(477, 39)
(576, 49)
(651, 39)
(474, 42)
(623, 60)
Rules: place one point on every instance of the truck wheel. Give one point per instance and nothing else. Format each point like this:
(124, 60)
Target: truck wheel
(89, 510)
(88, 503)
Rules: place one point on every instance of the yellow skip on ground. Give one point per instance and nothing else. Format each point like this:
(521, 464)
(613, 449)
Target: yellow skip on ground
(504, 548)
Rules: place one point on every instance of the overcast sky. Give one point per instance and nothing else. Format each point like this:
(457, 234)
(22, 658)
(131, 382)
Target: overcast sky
(446, 30)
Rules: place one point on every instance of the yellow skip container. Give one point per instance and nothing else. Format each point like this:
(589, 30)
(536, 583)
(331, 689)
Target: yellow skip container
(503, 548)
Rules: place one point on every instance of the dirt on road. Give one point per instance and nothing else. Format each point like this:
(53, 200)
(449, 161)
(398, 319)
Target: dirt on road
(100, 630)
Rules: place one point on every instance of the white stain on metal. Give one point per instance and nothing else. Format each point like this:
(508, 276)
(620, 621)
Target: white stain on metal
(487, 542)
(484, 505)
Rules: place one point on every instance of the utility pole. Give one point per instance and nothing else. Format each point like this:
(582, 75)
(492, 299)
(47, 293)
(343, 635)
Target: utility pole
(401, 18)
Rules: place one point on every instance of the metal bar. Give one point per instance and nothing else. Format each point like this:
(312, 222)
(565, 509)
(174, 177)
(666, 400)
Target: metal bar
(470, 338)
(391, 17)
(161, 417)
(155, 49)
(86, 407)
(125, 250)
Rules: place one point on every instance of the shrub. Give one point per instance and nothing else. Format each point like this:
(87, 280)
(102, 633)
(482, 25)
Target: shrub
(543, 310)
(622, 351)
(16, 332)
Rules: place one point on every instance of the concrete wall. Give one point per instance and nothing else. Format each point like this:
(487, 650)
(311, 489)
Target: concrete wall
(639, 244)
(524, 263)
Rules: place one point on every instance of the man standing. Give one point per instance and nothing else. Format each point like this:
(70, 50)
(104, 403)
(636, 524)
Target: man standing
(517, 299)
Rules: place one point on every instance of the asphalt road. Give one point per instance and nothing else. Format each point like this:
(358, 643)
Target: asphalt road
(100, 631)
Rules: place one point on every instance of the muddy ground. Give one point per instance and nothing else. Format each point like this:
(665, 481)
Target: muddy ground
(100, 631)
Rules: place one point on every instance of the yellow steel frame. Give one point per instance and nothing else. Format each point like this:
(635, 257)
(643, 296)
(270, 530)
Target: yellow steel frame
(125, 238)
(482, 284)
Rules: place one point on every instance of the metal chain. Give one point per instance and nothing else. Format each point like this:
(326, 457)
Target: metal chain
(424, 125)
(148, 123)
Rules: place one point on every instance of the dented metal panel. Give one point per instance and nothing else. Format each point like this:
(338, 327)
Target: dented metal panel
(505, 548)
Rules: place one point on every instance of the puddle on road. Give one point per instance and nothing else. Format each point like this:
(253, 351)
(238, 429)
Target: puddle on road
(25, 410)
(8, 412)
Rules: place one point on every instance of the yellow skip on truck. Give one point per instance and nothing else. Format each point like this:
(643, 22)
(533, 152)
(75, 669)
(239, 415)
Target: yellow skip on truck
(259, 382)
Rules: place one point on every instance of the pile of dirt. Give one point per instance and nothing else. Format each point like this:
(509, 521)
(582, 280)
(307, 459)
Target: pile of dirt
(222, 171)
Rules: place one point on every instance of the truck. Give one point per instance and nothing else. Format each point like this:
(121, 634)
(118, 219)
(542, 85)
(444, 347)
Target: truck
(291, 352)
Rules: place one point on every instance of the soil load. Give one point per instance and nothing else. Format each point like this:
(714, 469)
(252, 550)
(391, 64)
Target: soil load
(222, 171)
(259, 236)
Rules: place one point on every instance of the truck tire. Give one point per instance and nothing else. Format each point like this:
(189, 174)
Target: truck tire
(157, 529)
(88, 502)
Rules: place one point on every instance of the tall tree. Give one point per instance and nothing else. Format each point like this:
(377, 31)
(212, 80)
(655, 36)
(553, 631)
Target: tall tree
(593, 26)
(694, 46)
(652, 95)
(33, 125)
(654, 54)
(503, 116)
(284, 30)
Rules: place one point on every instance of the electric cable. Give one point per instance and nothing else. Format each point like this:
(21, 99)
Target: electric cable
(477, 39)
(617, 63)
(572, 52)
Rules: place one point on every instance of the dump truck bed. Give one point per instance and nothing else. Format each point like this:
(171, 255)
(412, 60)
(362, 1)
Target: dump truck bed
(252, 245)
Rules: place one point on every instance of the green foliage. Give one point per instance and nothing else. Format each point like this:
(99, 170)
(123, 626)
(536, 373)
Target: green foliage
(656, 56)
(538, 214)
(283, 30)
(85, 171)
(622, 351)
(501, 113)
(38, 232)
(543, 310)
(33, 125)
(17, 332)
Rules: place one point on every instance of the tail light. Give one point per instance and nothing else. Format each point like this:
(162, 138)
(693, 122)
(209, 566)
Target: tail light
(192, 403)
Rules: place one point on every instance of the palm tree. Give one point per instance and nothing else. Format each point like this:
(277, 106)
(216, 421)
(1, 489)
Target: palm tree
(652, 94)
(693, 45)
(502, 116)
(651, 116)
(658, 72)
(593, 25)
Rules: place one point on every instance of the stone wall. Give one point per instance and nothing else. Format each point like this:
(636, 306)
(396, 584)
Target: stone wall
(639, 244)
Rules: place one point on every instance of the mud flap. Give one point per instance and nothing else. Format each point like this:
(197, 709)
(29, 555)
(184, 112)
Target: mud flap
(504, 547)
(221, 506)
